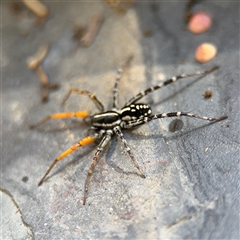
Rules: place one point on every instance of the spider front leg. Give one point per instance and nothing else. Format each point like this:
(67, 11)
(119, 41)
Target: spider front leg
(167, 82)
(134, 123)
(179, 114)
(119, 133)
(118, 78)
(105, 140)
(83, 142)
(95, 100)
(63, 115)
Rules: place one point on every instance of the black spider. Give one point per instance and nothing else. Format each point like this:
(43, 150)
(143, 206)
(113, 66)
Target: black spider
(107, 123)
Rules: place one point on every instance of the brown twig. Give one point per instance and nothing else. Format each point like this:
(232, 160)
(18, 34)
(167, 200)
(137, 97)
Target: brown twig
(37, 7)
(92, 30)
(34, 63)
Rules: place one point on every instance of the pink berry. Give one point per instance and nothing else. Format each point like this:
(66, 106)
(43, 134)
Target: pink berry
(199, 22)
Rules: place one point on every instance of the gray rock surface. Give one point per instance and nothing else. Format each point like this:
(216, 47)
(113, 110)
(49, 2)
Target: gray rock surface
(192, 186)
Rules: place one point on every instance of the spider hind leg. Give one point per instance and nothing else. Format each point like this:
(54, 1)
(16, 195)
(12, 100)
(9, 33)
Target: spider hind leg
(105, 140)
(83, 142)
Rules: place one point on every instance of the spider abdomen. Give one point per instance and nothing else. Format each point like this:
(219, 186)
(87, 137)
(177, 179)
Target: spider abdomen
(135, 111)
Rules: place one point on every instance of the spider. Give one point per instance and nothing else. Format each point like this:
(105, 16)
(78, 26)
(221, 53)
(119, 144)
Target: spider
(105, 124)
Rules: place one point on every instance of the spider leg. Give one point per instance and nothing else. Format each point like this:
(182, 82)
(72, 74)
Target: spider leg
(119, 133)
(98, 104)
(165, 83)
(134, 123)
(83, 142)
(62, 115)
(118, 77)
(106, 138)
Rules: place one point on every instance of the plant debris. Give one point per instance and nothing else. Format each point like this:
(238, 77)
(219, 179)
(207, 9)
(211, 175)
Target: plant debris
(207, 94)
(92, 30)
(36, 7)
(120, 6)
(34, 63)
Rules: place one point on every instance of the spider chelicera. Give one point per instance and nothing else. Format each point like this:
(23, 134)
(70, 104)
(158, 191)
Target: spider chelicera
(105, 124)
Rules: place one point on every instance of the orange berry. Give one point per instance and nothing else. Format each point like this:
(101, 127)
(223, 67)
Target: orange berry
(205, 52)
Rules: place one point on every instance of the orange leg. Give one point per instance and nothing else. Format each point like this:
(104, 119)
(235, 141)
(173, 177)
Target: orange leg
(81, 114)
(83, 142)
(87, 93)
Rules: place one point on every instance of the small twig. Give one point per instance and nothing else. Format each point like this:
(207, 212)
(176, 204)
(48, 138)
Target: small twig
(42, 76)
(92, 30)
(34, 63)
(37, 7)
